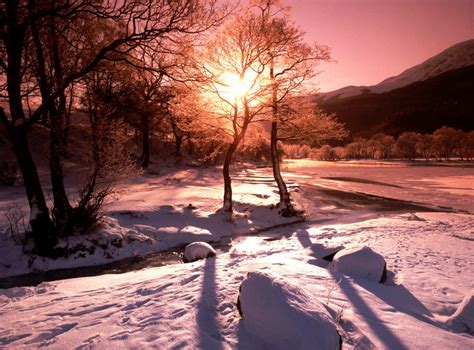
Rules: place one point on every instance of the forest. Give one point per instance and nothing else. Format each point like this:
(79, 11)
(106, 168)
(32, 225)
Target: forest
(196, 72)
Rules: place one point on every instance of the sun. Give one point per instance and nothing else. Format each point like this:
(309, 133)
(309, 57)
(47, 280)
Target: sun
(234, 87)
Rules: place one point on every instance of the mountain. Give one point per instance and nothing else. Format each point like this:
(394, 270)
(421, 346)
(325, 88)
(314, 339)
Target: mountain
(423, 106)
(457, 56)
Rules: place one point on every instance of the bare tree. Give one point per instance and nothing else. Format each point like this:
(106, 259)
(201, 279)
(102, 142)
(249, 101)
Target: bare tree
(291, 63)
(235, 63)
(109, 159)
(152, 23)
(406, 144)
(446, 141)
(191, 122)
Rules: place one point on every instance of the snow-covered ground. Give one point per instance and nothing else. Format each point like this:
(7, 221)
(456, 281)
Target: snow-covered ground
(153, 214)
(429, 258)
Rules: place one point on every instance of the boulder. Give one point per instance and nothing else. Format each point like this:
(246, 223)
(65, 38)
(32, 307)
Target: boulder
(463, 318)
(285, 316)
(198, 250)
(360, 262)
(327, 253)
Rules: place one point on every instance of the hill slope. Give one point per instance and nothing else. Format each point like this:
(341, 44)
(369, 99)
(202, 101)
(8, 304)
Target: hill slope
(424, 106)
(457, 56)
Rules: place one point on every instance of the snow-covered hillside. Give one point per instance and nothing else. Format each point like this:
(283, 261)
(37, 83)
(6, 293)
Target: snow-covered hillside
(457, 56)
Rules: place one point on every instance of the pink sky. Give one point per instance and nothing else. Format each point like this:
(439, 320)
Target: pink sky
(375, 39)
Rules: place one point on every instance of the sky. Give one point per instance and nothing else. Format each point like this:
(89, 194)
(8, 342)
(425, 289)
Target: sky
(372, 40)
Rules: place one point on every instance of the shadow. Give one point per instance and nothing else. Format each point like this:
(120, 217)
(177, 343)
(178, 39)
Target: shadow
(179, 224)
(209, 330)
(247, 340)
(350, 200)
(303, 238)
(302, 233)
(160, 221)
(400, 299)
(379, 329)
(359, 180)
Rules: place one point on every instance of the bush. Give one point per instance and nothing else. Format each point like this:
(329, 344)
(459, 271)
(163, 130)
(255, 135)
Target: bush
(326, 152)
(8, 173)
(304, 151)
(18, 227)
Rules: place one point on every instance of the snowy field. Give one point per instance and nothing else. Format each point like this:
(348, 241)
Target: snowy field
(429, 257)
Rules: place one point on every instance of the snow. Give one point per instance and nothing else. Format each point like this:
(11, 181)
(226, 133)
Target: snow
(194, 305)
(153, 215)
(430, 265)
(359, 262)
(464, 315)
(285, 316)
(198, 250)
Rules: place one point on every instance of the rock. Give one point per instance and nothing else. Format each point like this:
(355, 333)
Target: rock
(360, 262)
(198, 250)
(285, 316)
(414, 217)
(327, 253)
(464, 316)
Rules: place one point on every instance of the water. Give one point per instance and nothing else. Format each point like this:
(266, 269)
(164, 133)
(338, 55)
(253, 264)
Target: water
(448, 186)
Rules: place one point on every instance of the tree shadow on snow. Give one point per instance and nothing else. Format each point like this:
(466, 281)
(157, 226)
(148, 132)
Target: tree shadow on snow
(400, 298)
(301, 233)
(166, 220)
(378, 327)
(179, 223)
(209, 330)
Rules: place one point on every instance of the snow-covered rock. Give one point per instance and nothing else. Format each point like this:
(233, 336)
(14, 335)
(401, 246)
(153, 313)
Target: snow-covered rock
(325, 252)
(198, 250)
(464, 315)
(360, 262)
(285, 316)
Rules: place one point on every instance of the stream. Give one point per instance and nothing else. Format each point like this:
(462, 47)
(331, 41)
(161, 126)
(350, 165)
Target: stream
(355, 201)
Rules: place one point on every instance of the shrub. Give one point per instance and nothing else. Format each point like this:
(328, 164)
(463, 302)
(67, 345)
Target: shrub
(304, 151)
(326, 152)
(18, 227)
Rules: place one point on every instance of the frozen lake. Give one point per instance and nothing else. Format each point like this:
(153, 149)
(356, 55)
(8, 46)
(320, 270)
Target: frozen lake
(447, 186)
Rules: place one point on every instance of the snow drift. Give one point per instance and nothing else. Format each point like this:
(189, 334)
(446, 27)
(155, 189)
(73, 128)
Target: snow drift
(360, 262)
(285, 316)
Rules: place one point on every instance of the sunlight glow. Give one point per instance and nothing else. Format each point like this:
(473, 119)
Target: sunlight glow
(235, 87)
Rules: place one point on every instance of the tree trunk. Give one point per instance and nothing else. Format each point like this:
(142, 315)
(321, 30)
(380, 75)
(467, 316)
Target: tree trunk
(230, 153)
(40, 222)
(178, 136)
(285, 198)
(226, 174)
(43, 235)
(62, 207)
(190, 145)
(178, 142)
(145, 157)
